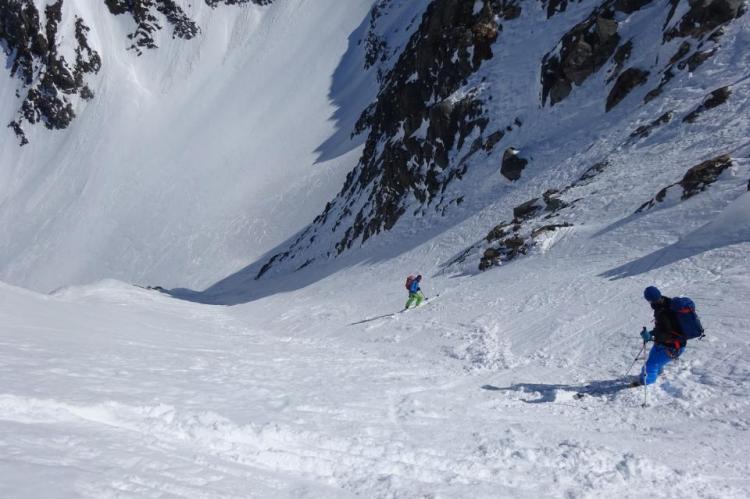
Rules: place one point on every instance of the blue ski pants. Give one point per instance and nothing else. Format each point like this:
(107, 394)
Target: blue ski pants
(658, 357)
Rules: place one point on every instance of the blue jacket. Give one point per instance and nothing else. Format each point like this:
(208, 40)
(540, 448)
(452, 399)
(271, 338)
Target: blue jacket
(414, 286)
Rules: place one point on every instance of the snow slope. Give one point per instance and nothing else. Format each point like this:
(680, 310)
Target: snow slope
(191, 160)
(303, 388)
(115, 391)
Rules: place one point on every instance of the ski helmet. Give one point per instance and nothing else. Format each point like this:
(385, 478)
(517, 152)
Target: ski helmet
(652, 294)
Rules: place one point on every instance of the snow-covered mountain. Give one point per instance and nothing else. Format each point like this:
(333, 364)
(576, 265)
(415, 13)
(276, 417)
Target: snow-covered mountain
(189, 160)
(570, 85)
(539, 162)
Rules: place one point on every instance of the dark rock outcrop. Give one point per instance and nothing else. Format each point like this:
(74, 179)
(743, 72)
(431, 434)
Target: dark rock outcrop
(416, 124)
(704, 22)
(531, 220)
(585, 49)
(696, 180)
(512, 164)
(144, 14)
(49, 80)
(50, 83)
(214, 3)
(592, 172)
(528, 209)
(703, 17)
(631, 78)
(714, 99)
(645, 130)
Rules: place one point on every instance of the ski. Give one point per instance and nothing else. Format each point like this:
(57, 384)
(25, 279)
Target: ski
(394, 314)
(603, 388)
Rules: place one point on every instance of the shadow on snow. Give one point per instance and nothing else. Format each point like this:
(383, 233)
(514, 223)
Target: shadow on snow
(548, 393)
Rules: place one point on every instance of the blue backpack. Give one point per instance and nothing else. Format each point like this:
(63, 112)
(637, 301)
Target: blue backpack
(690, 324)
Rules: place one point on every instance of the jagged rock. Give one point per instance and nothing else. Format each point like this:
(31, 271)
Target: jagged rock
(515, 243)
(630, 6)
(696, 59)
(214, 3)
(577, 65)
(556, 6)
(48, 79)
(552, 201)
(715, 98)
(622, 54)
(485, 33)
(549, 228)
(645, 130)
(527, 209)
(498, 232)
(16, 127)
(492, 140)
(513, 164)
(696, 180)
(147, 24)
(450, 43)
(490, 253)
(631, 78)
(490, 261)
(592, 172)
(605, 29)
(704, 16)
(699, 177)
(581, 52)
(682, 51)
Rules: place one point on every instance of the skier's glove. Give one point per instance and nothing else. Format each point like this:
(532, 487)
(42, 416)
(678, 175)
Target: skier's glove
(647, 335)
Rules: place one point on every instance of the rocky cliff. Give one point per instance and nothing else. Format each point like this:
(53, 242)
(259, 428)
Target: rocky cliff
(434, 118)
(55, 62)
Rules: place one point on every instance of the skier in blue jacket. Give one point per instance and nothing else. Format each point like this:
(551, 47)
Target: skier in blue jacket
(415, 293)
(667, 336)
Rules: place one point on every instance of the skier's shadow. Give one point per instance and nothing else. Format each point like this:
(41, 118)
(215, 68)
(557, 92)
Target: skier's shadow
(548, 393)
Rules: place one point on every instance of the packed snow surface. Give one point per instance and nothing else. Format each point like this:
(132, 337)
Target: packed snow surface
(110, 390)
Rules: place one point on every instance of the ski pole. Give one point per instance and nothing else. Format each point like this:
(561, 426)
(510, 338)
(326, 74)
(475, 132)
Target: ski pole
(636, 359)
(643, 375)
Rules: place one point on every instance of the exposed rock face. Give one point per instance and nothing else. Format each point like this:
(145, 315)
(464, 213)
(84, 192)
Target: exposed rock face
(51, 85)
(513, 164)
(214, 3)
(627, 81)
(51, 82)
(703, 22)
(146, 20)
(531, 223)
(415, 124)
(696, 180)
(714, 99)
(644, 131)
(527, 209)
(587, 47)
(703, 17)
(582, 51)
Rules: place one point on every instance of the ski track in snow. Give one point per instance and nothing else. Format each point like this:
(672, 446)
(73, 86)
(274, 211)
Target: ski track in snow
(116, 391)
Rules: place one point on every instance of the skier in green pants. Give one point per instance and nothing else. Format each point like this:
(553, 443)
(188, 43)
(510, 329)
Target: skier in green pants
(415, 292)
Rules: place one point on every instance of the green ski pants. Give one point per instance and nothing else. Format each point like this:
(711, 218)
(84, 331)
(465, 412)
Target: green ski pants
(414, 299)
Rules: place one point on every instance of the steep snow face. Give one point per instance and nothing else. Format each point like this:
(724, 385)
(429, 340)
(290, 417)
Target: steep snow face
(189, 156)
(523, 99)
